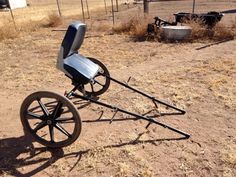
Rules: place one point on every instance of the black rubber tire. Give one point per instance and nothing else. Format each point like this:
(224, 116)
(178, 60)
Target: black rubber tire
(25, 112)
(105, 73)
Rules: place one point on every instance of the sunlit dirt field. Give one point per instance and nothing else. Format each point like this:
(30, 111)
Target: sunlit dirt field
(200, 81)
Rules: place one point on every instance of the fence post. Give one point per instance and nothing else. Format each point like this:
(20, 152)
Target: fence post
(58, 8)
(105, 3)
(117, 6)
(12, 16)
(112, 9)
(82, 7)
(193, 6)
(146, 6)
(87, 9)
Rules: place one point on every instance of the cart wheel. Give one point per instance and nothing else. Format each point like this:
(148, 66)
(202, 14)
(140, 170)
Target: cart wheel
(102, 82)
(51, 119)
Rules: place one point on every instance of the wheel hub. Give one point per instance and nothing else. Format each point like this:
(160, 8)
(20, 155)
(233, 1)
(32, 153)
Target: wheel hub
(49, 122)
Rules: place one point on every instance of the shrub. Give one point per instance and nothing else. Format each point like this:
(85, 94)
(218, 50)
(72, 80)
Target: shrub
(54, 20)
(217, 33)
(8, 32)
(222, 32)
(135, 26)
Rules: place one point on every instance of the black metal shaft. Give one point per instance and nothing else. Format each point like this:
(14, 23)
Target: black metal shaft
(146, 95)
(131, 113)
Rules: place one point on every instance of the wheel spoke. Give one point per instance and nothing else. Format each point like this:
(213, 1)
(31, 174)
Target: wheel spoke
(61, 129)
(57, 111)
(40, 126)
(51, 119)
(43, 107)
(51, 131)
(102, 85)
(32, 115)
(65, 120)
(92, 87)
(99, 83)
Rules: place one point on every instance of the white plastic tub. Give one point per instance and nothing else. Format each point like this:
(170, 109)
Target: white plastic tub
(176, 32)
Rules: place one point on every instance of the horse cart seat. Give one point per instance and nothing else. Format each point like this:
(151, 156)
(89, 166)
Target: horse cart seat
(74, 65)
(80, 68)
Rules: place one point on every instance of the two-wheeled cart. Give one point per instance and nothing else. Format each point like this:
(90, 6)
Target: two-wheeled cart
(53, 120)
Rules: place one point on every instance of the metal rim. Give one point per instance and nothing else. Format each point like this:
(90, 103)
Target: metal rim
(101, 81)
(51, 119)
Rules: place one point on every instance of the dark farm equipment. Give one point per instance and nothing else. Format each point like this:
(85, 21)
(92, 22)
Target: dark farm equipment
(4, 4)
(209, 19)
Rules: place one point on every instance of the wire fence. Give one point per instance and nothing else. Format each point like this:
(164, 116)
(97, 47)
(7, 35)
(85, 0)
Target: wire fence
(84, 9)
(166, 9)
(111, 9)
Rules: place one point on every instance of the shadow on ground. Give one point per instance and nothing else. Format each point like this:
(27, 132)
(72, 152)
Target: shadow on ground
(19, 152)
(13, 148)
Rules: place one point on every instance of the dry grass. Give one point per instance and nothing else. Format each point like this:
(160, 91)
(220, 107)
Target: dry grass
(228, 156)
(171, 62)
(29, 26)
(217, 33)
(199, 31)
(54, 20)
(99, 26)
(123, 169)
(8, 32)
(12, 31)
(222, 32)
(136, 26)
(219, 79)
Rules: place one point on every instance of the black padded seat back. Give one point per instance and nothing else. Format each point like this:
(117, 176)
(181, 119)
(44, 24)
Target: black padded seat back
(73, 39)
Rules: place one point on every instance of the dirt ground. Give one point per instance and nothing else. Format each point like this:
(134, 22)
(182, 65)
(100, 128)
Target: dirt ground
(200, 81)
